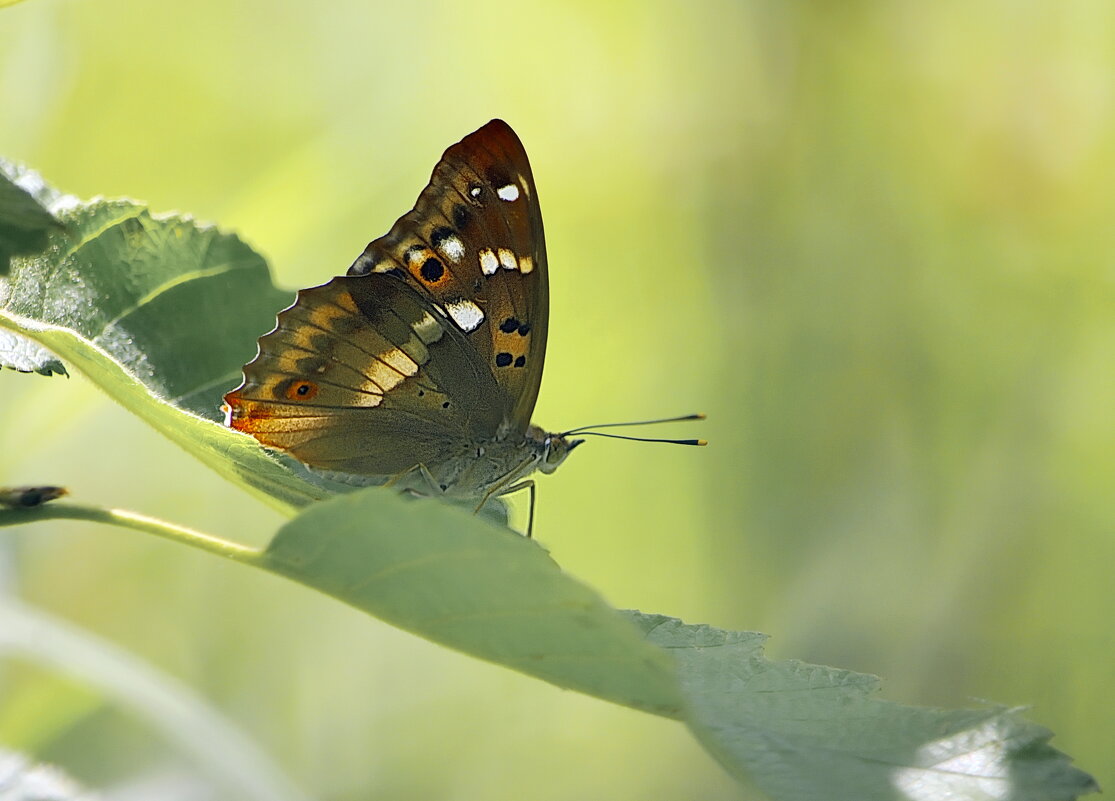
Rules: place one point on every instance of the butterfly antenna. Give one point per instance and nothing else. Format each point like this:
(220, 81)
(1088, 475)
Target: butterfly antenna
(645, 439)
(587, 430)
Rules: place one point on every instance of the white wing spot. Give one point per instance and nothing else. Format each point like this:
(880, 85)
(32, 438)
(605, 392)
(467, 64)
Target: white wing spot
(526, 264)
(474, 191)
(452, 248)
(509, 192)
(384, 266)
(465, 314)
(507, 259)
(488, 262)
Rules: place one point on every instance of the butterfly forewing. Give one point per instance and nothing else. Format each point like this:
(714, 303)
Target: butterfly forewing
(429, 353)
(365, 375)
(474, 245)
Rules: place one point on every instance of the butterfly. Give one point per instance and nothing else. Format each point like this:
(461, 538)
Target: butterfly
(420, 368)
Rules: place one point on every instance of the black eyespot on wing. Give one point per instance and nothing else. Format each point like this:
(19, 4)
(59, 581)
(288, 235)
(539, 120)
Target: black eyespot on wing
(509, 325)
(461, 216)
(432, 270)
(521, 361)
(295, 389)
(503, 359)
(524, 329)
(445, 405)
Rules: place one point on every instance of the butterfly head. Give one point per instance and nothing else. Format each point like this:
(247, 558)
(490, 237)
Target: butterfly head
(555, 447)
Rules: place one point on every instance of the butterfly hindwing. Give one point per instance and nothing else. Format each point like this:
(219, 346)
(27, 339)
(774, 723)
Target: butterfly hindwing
(364, 375)
(474, 245)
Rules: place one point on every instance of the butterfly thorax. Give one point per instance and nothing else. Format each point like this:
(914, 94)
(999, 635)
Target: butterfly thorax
(495, 466)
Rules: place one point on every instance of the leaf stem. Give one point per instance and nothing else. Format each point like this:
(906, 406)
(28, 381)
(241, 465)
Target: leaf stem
(132, 520)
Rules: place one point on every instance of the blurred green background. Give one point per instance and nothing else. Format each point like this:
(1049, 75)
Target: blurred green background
(873, 241)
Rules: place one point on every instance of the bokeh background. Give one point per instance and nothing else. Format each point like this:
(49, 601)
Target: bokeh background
(873, 241)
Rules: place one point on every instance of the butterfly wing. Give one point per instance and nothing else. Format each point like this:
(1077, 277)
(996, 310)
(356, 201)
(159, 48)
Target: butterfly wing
(364, 375)
(474, 245)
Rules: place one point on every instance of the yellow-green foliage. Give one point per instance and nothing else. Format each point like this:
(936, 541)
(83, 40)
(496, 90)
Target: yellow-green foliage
(872, 241)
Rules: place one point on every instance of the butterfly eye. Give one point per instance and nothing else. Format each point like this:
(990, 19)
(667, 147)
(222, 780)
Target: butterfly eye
(301, 390)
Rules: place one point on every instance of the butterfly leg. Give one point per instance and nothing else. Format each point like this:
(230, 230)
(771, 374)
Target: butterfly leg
(395, 479)
(528, 484)
(499, 492)
(418, 468)
(426, 474)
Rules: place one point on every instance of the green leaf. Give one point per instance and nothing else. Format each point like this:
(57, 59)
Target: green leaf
(798, 731)
(461, 581)
(161, 313)
(803, 732)
(21, 354)
(24, 222)
(162, 296)
(24, 226)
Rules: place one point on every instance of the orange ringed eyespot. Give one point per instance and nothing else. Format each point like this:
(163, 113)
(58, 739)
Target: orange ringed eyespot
(301, 390)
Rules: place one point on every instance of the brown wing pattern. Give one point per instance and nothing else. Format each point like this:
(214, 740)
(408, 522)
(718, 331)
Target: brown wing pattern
(474, 245)
(364, 375)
